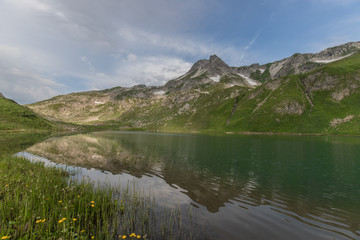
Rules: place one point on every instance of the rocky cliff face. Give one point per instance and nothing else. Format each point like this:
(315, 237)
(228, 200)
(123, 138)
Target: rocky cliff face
(207, 72)
(1, 96)
(299, 63)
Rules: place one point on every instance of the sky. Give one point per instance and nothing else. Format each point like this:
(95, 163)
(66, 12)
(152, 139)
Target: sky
(52, 47)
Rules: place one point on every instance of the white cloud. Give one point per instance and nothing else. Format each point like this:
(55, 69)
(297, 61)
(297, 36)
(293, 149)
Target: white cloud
(30, 4)
(100, 44)
(151, 71)
(131, 57)
(21, 77)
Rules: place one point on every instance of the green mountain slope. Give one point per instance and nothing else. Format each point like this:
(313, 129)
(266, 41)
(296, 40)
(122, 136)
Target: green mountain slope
(14, 117)
(325, 100)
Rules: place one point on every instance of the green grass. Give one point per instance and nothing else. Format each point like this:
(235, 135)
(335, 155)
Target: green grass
(14, 117)
(336, 76)
(13, 143)
(38, 202)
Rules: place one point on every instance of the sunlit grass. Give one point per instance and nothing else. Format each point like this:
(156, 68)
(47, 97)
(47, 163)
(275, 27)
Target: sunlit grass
(38, 202)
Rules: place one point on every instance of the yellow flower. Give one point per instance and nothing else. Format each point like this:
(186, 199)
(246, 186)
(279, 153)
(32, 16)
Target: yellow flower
(92, 202)
(124, 236)
(138, 236)
(92, 237)
(133, 235)
(61, 220)
(82, 231)
(38, 221)
(78, 196)
(6, 186)
(74, 219)
(5, 237)
(43, 220)
(92, 205)
(60, 201)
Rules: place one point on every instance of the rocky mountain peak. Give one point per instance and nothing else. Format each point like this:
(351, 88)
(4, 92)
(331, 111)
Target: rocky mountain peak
(214, 65)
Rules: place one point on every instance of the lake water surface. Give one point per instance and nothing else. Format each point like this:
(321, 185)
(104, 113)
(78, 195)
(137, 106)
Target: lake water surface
(239, 187)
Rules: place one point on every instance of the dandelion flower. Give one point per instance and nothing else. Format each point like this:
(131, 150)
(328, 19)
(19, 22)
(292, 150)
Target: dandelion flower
(124, 236)
(38, 221)
(92, 202)
(60, 201)
(43, 220)
(74, 219)
(92, 205)
(138, 236)
(133, 235)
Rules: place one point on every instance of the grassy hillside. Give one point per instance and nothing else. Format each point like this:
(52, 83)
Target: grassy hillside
(323, 101)
(14, 117)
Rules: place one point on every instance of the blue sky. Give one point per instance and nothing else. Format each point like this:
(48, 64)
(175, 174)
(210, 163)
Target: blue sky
(50, 47)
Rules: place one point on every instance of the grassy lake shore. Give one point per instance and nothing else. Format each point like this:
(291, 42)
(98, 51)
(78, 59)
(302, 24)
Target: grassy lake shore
(38, 202)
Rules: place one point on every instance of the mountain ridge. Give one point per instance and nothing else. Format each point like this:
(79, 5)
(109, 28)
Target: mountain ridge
(213, 96)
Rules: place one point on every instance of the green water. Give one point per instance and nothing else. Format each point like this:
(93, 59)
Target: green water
(240, 187)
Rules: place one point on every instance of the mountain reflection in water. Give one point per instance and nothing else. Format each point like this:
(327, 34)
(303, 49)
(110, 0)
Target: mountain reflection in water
(310, 186)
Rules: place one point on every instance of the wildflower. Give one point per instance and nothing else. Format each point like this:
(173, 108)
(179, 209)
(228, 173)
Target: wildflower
(138, 236)
(133, 235)
(60, 201)
(43, 220)
(92, 202)
(5, 237)
(92, 237)
(92, 205)
(61, 220)
(6, 186)
(78, 196)
(38, 221)
(124, 236)
(82, 231)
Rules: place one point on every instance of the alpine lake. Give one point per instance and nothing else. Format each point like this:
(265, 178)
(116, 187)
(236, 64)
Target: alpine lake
(235, 186)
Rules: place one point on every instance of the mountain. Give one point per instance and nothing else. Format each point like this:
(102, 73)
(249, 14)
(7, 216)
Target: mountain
(14, 117)
(298, 63)
(305, 93)
(206, 72)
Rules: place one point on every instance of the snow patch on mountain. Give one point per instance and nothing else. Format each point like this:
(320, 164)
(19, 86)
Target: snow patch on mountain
(249, 80)
(216, 78)
(331, 60)
(159, 92)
